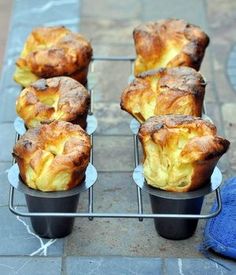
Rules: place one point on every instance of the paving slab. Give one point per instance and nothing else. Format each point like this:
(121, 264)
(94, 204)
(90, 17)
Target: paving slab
(175, 9)
(113, 153)
(7, 141)
(229, 120)
(229, 113)
(30, 265)
(143, 266)
(110, 78)
(214, 112)
(5, 11)
(113, 265)
(115, 192)
(198, 267)
(115, 10)
(125, 237)
(221, 18)
(206, 71)
(109, 31)
(19, 198)
(18, 238)
(8, 101)
(112, 120)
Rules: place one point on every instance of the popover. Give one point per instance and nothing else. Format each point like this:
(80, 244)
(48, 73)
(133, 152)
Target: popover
(53, 51)
(53, 157)
(180, 152)
(57, 98)
(168, 43)
(178, 90)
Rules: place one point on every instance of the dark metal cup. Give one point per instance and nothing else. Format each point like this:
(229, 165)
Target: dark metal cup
(53, 202)
(185, 203)
(176, 229)
(52, 227)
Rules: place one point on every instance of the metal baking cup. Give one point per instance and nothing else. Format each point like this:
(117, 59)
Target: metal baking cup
(19, 125)
(60, 201)
(176, 203)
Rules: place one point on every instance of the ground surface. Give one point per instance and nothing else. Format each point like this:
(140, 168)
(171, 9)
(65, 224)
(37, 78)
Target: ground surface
(106, 246)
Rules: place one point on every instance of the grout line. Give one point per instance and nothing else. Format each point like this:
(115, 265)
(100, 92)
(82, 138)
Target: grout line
(96, 18)
(63, 264)
(6, 121)
(163, 266)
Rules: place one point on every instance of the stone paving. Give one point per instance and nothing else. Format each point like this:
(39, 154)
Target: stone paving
(113, 246)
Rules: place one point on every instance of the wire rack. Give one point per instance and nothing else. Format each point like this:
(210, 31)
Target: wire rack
(90, 214)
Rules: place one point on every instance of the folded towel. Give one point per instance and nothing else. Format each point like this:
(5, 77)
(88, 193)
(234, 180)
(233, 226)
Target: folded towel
(220, 232)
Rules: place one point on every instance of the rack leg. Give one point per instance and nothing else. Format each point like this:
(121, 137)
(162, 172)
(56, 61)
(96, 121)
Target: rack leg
(139, 193)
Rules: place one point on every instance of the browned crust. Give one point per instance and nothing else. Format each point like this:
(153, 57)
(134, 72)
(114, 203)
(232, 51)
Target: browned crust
(74, 158)
(63, 53)
(156, 123)
(151, 42)
(73, 101)
(203, 151)
(81, 75)
(173, 84)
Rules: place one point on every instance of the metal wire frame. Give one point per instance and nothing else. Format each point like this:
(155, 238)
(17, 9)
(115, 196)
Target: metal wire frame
(91, 214)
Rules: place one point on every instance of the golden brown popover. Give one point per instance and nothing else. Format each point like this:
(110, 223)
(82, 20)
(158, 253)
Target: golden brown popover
(53, 51)
(180, 152)
(178, 90)
(53, 157)
(57, 98)
(168, 43)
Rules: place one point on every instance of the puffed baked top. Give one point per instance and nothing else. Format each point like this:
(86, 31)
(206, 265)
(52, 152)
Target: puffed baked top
(178, 90)
(53, 157)
(57, 98)
(52, 51)
(168, 43)
(180, 152)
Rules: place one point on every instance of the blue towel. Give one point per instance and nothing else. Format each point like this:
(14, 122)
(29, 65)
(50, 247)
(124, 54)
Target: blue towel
(220, 232)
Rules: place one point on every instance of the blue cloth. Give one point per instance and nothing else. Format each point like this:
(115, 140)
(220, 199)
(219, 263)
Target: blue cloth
(220, 232)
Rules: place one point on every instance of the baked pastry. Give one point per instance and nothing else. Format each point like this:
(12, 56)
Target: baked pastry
(53, 51)
(53, 157)
(178, 90)
(180, 152)
(57, 98)
(168, 43)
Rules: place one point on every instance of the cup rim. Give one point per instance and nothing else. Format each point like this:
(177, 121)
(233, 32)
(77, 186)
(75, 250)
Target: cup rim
(16, 181)
(211, 186)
